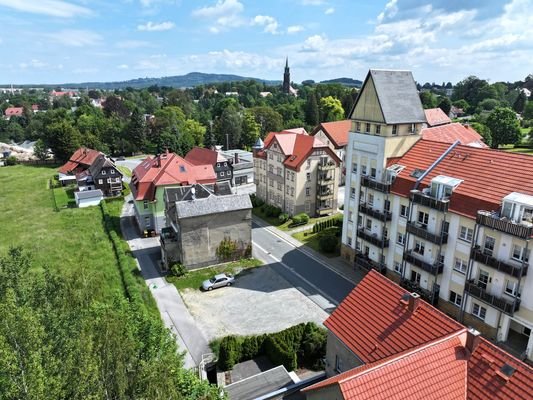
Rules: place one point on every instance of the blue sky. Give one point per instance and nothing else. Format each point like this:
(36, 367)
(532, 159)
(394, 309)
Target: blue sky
(54, 41)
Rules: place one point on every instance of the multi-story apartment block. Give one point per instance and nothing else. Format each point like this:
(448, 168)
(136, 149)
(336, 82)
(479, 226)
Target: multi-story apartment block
(335, 135)
(450, 221)
(297, 172)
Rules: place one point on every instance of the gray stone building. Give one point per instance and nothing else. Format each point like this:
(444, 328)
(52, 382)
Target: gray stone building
(201, 217)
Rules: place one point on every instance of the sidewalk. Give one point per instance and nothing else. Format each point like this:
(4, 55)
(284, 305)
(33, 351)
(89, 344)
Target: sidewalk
(336, 264)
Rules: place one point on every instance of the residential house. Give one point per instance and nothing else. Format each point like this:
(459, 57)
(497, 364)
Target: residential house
(456, 112)
(449, 133)
(222, 167)
(386, 343)
(297, 172)
(102, 175)
(435, 117)
(449, 221)
(242, 166)
(335, 135)
(151, 177)
(200, 219)
(79, 162)
(13, 112)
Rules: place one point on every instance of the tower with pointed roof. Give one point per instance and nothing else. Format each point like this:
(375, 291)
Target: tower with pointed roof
(287, 78)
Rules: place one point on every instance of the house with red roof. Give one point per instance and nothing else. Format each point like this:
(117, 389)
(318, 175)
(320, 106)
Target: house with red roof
(386, 343)
(151, 177)
(436, 117)
(13, 112)
(221, 165)
(297, 173)
(441, 214)
(81, 160)
(335, 135)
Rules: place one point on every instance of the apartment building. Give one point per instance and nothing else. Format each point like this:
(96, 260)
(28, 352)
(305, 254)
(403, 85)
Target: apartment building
(297, 172)
(449, 221)
(335, 135)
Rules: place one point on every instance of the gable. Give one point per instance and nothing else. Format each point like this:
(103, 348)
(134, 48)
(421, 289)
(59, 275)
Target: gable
(367, 107)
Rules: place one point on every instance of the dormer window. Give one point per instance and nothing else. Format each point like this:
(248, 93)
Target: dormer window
(394, 130)
(442, 187)
(367, 128)
(518, 207)
(103, 172)
(358, 127)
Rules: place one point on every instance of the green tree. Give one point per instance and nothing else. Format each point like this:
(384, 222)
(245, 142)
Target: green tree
(428, 99)
(311, 110)
(63, 139)
(504, 127)
(250, 129)
(135, 131)
(488, 104)
(331, 109)
(268, 119)
(39, 150)
(230, 124)
(528, 111)
(520, 103)
(196, 130)
(445, 105)
(483, 131)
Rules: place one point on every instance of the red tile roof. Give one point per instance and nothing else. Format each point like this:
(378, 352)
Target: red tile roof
(435, 116)
(201, 156)
(337, 132)
(449, 133)
(373, 323)
(167, 169)
(13, 111)
(81, 159)
(478, 168)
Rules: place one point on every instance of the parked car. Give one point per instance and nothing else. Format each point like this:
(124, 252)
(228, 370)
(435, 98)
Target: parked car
(218, 281)
(121, 158)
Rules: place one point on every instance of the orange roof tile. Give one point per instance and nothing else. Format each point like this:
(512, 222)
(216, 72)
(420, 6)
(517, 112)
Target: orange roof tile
(373, 323)
(83, 157)
(13, 111)
(479, 168)
(449, 133)
(435, 116)
(202, 156)
(337, 131)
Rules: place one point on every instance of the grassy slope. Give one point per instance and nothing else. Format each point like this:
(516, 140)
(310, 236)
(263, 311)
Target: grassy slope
(72, 240)
(312, 240)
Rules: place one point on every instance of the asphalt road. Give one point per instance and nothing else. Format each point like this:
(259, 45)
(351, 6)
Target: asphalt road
(313, 277)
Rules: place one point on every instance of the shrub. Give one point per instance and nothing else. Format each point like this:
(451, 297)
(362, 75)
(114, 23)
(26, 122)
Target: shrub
(11, 160)
(229, 353)
(178, 269)
(227, 249)
(283, 217)
(259, 202)
(275, 211)
(300, 219)
(328, 243)
(341, 207)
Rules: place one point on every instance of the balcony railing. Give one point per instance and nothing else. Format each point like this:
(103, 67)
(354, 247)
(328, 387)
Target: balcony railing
(372, 183)
(505, 225)
(167, 235)
(326, 166)
(364, 262)
(431, 296)
(418, 230)
(377, 214)
(419, 197)
(373, 238)
(324, 179)
(434, 269)
(324, 195)
(323, 210)
(517, 271)
(507, 307)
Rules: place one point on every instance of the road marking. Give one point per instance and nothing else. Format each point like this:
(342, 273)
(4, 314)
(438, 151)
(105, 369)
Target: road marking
(310, 296)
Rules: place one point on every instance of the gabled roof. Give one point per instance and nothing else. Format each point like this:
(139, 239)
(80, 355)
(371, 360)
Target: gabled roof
(373, 323)
(397, 95)
(478, 168)
(449, 133)
(83, 157)
(167, 169)
(13, 111)
(102, 162)
(435, 116)
(202, 156)
(337, 132)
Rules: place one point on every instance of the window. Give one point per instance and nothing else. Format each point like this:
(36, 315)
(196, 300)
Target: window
(279, 186)
(401, 238)
(359, 221)
(370, 199)
(363, 169)
(419, 247)
(112, 172)
(354, 168)
(103, 172)
(288, 190)
(145, 204)
(489, 245)
(350, 216)
(394, 130)
(100, 181)
(373, 172)
(460, 265)
(271, 183)
(279, 158)
(415, 277)
(358, 127)
(367, 251)
(338, 364)
(218, 165)
(398, 267)
(292, 191)
(423, 218)
(378, 129)
(270, 156)
(511, 288)
(229, 173)
(278, 171)
(308, 164)
(292, 176)
(288, 174)
(466, 234)
(455, 298)
(519, 253)
(308, 192)
(221, 173)
(368, 224)
(349, 241)
(108, 180)
(271, 169)
(308, 177)
(358, 245)
(483, 279)
(352, 193)
(479, 311)
(367, 130)
(404, 211)
(386, 206)
(147, 222)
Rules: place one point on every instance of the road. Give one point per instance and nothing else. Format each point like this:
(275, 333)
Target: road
(309, 274)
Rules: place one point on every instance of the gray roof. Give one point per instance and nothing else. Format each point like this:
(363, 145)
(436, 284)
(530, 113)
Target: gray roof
(398, 96)
(260, 384)
(101, 162)
(201, 191)
(212, 205)
(88, 194)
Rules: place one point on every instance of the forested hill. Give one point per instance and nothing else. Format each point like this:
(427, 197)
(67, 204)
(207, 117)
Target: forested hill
(346, 82)
(179, 81)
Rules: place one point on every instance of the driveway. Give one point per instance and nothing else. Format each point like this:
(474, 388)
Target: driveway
(260, 301)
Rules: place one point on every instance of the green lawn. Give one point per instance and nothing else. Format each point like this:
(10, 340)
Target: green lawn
(311, 240)
(286, 226)
(525, 150)
(125, 170)
(71, 241)
(194, 279)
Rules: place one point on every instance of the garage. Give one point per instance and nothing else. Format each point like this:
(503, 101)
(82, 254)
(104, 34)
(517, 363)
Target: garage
(88, 198)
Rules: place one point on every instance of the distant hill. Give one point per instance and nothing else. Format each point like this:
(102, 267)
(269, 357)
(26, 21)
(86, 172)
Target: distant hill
(180, 81)
(346, 82)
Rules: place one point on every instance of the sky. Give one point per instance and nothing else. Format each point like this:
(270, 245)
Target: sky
(58, 41)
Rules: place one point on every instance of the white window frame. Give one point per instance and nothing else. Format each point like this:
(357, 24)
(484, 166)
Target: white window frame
(112, 172)
(307, 192)
(394, 130)
(398, 267)
(455, 298)
(367, 223)
(338, 364)
(103, 172)
(100, 181)
(370, 199)
(401, 238)
(479, 311)
(221, 173)
(420, 247)
(423, 218)
(511, 290)
(521, 254)
(402, 208)
(460, 265)
(466, 234)
(308, 177)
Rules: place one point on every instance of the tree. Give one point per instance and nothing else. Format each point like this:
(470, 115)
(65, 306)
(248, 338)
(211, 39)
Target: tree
(331, 109)
(528, 111)
(463, 104)
(196, 130)
(483, 131)
(268, 119)
(520, 103)
(504, 127)
(135, 131)
(63, 139)
(250, 129)
(311, 110)
(428, 99)
(470, 89)
(230, 124)
(488, 104)
(445, 105)
(115, 106)
(39, 150)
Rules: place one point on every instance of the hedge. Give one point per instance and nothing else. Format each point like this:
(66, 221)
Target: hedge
(328, 223)
(300, 219)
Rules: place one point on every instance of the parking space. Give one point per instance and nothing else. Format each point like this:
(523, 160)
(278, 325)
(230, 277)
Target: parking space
(260, 301)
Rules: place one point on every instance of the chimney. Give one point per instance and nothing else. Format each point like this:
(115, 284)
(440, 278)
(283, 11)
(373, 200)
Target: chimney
(472, 339)
(236, 158)
(414, 299)
(157, 161)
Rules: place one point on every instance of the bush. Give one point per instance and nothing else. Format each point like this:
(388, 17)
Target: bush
(229, 352)
(11, 160)
(300, 219)
(328, 243)
(178, 270)
(283, 217)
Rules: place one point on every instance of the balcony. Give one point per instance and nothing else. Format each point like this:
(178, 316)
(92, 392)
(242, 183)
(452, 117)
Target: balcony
(501, 304)
(383, 216)
(434, 269)
(324, 210)
(431, 296)
(326, 166)
(325, 195)
(494, 221)
(373, 238)
(168, 235)
(419, 197)
(372, 183)
(325, 179)
(366, 263)
(418, 229)
(486, 259)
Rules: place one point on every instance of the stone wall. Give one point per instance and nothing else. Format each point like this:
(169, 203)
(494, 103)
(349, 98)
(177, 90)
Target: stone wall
(336, 350)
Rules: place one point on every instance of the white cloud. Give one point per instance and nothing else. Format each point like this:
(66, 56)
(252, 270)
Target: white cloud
(34, 63)
(75, 37)
(152, 26)
(391, 9)
(54, 8)
(269, 23)
(85, 70)
(314, 43)
(144, 65)
(224, 15)
(123, 66)
(313, 2)
(295, 29)
(132, 44)
(329, 11)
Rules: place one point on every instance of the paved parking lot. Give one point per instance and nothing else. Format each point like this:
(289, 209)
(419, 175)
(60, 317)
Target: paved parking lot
(260, 301)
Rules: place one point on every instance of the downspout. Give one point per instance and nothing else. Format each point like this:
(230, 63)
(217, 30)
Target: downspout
(468, 272)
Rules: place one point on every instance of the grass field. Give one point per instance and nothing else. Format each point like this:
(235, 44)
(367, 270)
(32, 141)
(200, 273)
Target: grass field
(311, 240)
(70, 241)
(286, 226)
(125, 170)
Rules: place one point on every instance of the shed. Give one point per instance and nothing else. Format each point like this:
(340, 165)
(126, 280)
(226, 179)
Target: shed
(88, 198)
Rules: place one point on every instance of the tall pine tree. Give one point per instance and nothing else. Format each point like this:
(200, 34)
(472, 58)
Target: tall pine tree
(311, 110)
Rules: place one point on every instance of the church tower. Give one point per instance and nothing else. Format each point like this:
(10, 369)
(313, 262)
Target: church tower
(286, 78)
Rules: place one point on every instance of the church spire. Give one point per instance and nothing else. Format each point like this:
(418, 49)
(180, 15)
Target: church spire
(286, 77)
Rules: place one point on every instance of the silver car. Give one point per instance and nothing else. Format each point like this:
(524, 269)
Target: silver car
(218, 281)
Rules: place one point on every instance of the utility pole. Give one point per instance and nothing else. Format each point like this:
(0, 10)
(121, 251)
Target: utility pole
(227, 141)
